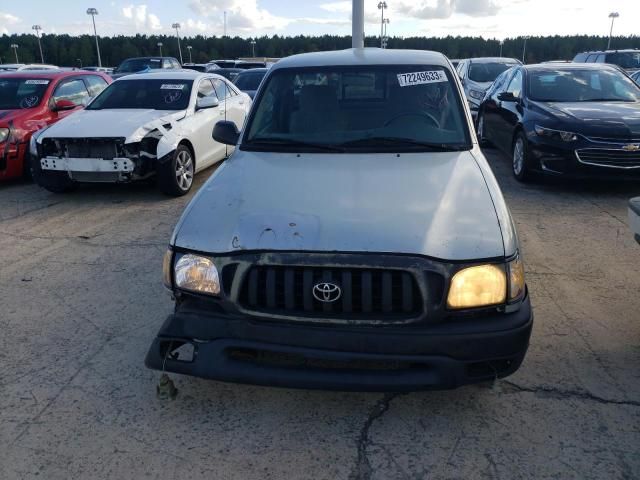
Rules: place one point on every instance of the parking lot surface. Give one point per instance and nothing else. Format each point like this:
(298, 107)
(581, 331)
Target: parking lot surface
(81, 299)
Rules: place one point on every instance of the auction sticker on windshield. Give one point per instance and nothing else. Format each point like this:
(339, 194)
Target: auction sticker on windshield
(36, 82)
(420, 78)
(172, 86)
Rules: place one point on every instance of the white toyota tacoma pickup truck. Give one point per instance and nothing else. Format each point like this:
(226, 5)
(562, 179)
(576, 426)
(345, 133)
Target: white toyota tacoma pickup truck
(356, 239)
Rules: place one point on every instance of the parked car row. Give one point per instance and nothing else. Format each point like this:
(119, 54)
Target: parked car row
(144, 125)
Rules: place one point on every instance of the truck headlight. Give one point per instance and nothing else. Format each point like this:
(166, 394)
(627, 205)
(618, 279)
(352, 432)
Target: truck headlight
(197, 274)
(516, 279)
(556, 134)
(478, 286)
(4, 134)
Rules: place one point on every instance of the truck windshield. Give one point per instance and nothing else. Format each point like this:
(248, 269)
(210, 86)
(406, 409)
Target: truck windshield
(369, 108)
(19, 93)
(156, 94)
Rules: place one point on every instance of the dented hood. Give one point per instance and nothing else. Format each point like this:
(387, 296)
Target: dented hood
(132, 124)
(434, 204)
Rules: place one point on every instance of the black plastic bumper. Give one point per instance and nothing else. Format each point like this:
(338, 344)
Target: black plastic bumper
(342, 357)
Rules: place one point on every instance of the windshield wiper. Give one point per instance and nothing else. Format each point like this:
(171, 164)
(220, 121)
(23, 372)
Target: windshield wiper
(288, 142)
(404, 142)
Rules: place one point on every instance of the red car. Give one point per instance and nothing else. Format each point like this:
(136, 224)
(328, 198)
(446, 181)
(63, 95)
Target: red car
(32, 100)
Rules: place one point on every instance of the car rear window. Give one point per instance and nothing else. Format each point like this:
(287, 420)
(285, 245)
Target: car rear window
(249, 80)
(156, 94)
(487, 72)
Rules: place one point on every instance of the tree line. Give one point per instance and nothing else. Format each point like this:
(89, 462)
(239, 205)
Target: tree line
(73, 51)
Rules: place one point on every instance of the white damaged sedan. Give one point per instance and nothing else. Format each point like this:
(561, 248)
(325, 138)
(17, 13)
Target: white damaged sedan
(141, 125)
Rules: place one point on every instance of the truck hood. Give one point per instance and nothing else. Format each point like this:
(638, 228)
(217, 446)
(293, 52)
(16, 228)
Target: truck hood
(434, 204)
(132, 124)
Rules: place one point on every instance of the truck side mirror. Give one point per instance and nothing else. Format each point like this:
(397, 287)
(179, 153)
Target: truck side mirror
(226, 132)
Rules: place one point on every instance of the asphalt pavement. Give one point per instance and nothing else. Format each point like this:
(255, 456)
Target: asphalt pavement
(81, 299)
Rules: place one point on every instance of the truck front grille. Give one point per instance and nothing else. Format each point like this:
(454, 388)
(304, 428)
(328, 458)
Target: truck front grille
(364, 293)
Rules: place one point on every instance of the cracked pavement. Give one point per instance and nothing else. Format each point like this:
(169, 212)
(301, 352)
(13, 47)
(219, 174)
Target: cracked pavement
(81, 299)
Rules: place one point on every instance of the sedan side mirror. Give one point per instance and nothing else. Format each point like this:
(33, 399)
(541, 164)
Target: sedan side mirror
(63, 104)
(207, 102)
(507, 97)
(226, 132)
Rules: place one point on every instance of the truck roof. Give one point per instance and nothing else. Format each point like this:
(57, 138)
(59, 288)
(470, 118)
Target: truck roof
(363, 56)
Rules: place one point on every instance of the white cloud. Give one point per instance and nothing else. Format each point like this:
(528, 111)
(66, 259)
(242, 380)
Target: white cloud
(141, 18)
(7, 20)
(438, 9)
(242, 15)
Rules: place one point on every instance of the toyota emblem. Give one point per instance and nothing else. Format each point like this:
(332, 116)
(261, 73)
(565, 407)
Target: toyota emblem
(326, 292)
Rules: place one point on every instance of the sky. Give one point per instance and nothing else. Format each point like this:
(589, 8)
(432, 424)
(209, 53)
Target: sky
(249, 18)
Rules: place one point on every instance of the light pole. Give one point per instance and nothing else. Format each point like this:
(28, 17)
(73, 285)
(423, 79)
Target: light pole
(501, 43)
(177, 27)
(79, 60)
(160, 47)
(612, 16)
(37, 28)
(253, 48)
(15, 50)
(93, 12)
(189, 47)
(524, 48)
(381, 6)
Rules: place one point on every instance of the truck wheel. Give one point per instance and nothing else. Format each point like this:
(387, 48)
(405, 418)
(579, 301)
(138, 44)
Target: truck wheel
(175, 177)
(521, 164)
(54, 181)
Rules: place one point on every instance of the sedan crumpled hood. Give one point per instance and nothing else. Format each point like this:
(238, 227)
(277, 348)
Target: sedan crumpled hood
(128, 123)
(7, 116)
(434, 204)
(598, 119)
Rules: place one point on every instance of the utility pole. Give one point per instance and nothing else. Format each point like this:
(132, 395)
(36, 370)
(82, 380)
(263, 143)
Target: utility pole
(189, 47)
(612, 16)
(160, 47)
(15, 51)
(253, 48)
(501, 43)
(37, 28)
(224, 33)
(381, 6)
(357, 24)
(93, 12)
(524, 48)
(177, 27)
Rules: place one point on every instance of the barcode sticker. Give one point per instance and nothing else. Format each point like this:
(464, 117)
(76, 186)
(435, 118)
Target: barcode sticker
(421, 78)
(172, 86)
(36, 82)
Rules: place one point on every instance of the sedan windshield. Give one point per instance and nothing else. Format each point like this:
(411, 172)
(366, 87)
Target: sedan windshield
(487, 72)
(572, 85)
(19, 93)
(249, 80)
(155, 94)
(138, 64)
(372, 109)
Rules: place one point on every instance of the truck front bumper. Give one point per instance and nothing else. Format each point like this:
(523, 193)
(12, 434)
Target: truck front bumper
(343, 357)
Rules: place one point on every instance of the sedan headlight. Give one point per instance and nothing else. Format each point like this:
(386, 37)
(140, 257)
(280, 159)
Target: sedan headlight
(478, 286)
(4, 134)
(196, 274)
(556, 134)
(478, 95)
